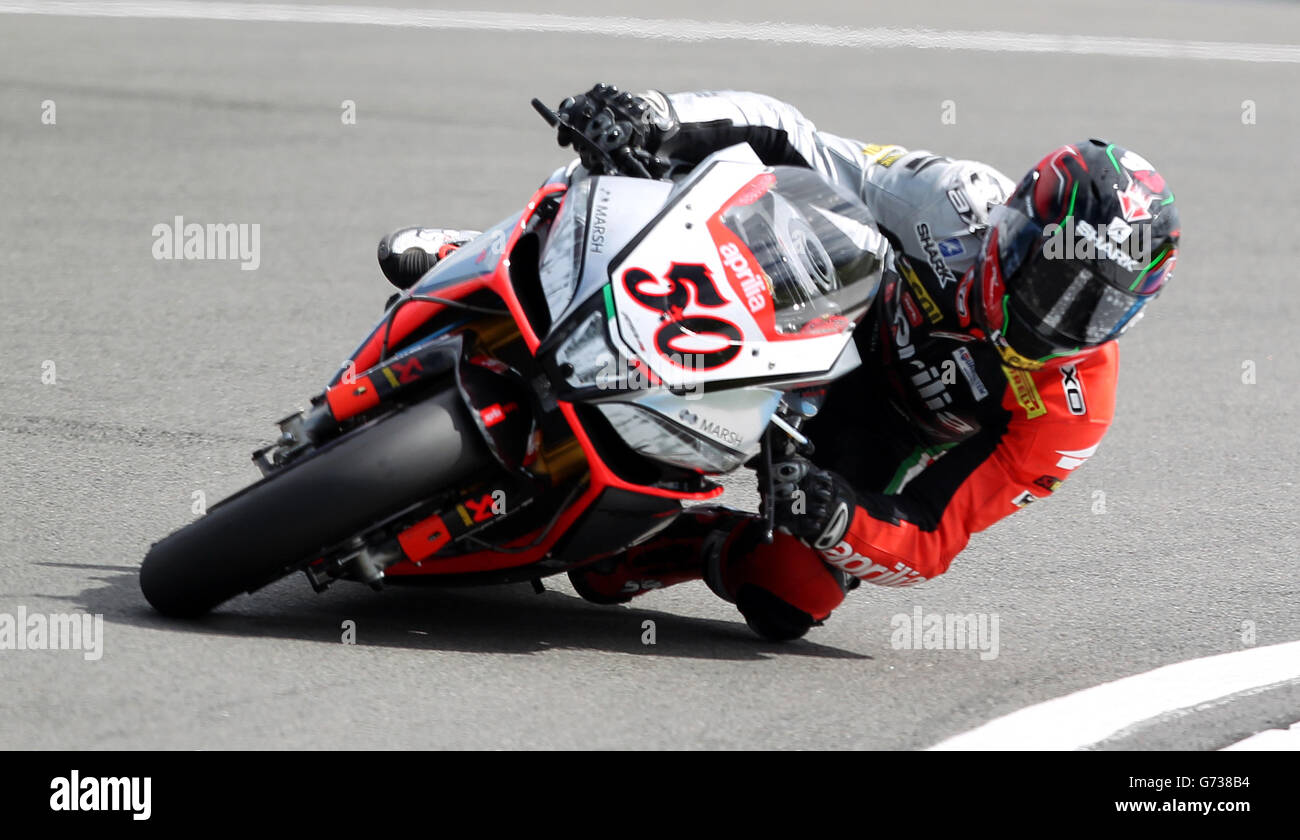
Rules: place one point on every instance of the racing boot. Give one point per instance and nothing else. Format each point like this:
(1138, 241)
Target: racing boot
(678, 554)
(406, 254)
(783, 588)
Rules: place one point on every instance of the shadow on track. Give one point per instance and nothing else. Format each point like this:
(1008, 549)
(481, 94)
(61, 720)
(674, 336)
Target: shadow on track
(500, 619)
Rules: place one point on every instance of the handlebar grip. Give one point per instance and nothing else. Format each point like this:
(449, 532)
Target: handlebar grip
(552, 119)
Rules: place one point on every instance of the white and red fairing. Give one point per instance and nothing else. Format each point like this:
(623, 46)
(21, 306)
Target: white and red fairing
(733, 335)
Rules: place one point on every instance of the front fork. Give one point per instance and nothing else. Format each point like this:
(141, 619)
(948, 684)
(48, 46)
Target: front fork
(781, 440)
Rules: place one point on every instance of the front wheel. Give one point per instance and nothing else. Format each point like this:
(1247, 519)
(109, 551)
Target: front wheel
(272, 527)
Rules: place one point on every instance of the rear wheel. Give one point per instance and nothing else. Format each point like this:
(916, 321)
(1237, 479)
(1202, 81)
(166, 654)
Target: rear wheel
(271, 528)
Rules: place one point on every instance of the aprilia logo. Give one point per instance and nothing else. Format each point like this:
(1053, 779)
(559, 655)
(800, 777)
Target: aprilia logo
(750, 284)
(843, 557)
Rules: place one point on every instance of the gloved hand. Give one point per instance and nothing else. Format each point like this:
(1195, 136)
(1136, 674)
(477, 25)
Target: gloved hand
(621, 124)
(813, 504)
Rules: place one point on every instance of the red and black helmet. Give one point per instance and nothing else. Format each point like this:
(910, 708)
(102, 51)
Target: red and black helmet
(1087, 239)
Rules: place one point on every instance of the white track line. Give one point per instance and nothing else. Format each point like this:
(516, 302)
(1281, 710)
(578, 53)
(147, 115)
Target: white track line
(1271, 739)
(674, 30)
(1086, 717)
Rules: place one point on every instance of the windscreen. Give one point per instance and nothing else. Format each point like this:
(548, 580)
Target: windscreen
(819, 250)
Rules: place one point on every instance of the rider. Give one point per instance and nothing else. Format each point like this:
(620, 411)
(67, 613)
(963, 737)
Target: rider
(994, 344)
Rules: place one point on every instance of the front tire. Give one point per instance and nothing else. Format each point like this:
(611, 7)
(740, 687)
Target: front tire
(272, 527)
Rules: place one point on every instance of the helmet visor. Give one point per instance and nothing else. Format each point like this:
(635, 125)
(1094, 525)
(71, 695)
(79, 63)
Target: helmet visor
(1055, 283)
(1070, 301)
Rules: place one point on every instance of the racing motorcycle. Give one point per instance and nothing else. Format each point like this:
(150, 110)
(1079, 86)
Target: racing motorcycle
(554, 391)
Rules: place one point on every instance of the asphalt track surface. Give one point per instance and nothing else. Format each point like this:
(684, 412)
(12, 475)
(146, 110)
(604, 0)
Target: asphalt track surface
(169, 373)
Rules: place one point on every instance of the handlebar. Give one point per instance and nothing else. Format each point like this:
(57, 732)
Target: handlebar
(599, 160)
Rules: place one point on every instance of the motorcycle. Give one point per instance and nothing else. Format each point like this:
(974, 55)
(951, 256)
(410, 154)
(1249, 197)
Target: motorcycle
(556, 390)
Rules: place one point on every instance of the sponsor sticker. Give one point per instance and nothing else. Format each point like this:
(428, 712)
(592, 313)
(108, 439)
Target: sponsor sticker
(1023, 499)
(1013, 358)
(883, 154)
(751, 283)
(928, 305)
(957, 197)
(1048, 482)
(1073, 390)
(911, 310)
(1135, 202)
(962, 300)
(1116, 241)
(1135, 162)
(967, 366)
(1025, 392)
(843, 556)
(934, 254)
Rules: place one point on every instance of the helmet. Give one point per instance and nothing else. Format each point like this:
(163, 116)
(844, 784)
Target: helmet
(1088, 238)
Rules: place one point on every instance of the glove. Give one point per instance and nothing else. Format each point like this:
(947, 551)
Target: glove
(620, 124)
(813, 504)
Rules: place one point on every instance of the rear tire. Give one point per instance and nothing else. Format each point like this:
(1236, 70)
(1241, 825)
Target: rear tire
(270, 528)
